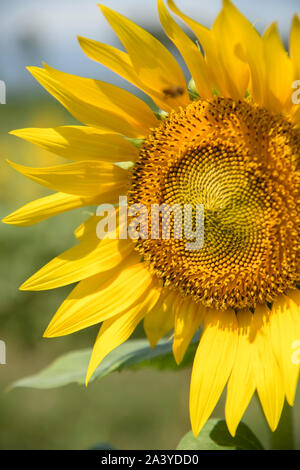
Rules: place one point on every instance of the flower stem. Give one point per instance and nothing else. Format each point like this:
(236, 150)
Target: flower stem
(283, 437)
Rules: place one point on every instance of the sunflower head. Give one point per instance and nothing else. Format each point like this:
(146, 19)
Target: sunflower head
(241, 162)
(232, 146)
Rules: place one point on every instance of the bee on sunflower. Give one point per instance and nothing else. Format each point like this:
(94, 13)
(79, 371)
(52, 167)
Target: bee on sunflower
(233, 145)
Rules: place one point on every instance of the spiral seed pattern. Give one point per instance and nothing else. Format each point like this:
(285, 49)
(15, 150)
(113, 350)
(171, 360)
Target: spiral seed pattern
(242, 163)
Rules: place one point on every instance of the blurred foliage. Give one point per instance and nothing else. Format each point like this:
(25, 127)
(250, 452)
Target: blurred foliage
(134, 354)
(215, 436)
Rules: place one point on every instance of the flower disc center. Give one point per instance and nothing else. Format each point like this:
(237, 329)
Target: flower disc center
(242, 164)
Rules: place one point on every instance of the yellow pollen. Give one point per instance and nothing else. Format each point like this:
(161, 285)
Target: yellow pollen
(242, 163)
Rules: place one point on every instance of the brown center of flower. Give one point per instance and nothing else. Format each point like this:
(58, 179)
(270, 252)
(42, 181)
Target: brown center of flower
(242, 164)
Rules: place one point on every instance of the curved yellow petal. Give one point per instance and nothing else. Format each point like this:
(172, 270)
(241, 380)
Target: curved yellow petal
(90, 257)
(279, 72)
(46, 207)
(251, 49)
(295, 59)
(295, 46)
(188, 318)
(267, 374)
(96, 103)
(101, 297)
(230, 74)
(202, 32)
(80, 143)
(294, 294)
(89, 227)
(189, 51)
(285, 331)
(208, 43)
(117, 330)
(154, 68)
(160, 320)
(113, 58)
(88, 178)
(167, 97)
(241, 383)
(234, 70)
(213, 364)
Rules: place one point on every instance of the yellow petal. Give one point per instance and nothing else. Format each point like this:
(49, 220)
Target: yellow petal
(295, 46)
(90, 257)
(101, 297)
(208, 42)
(80, 143)
(160, 320)
(111, 57)
(154, 67)
(46, 207)
(108, 97)
(294, 294)
(212, 366)
(97, 104)
(252, 48)
(87, 227)
(203, 34)
(241, 384)
(188, 318)
(285, 330)
(235, 72)
(120, 63)
(88, 178)
(267, 374)
(189, 51)
(279, 72)
(116, 330)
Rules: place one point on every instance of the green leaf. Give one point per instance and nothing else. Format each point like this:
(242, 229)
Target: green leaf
(215, 436)
(134, 354)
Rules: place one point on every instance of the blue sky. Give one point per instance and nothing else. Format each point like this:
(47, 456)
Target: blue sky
(33, 31)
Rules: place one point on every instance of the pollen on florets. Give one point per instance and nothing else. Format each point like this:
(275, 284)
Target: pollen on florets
(242, 163)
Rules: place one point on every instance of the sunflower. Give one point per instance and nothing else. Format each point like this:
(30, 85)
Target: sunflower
(229, 141)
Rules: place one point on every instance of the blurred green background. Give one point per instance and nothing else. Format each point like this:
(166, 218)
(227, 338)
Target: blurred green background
(132, 410)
